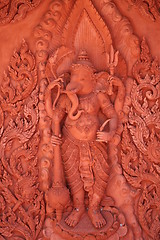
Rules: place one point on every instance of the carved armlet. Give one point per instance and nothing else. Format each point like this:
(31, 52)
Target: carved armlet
(60, 109)
(108, 110)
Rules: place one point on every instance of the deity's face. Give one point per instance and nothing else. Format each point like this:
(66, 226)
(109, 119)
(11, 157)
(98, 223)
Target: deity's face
(81, 80)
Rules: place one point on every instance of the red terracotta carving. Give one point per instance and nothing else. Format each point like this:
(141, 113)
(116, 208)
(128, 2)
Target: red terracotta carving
(122, 33)
(81, 130)
(149, 8)
(140, 142)
(15, 10)
(80, 126)
(58, 68)
(83, 161)
(22, 209)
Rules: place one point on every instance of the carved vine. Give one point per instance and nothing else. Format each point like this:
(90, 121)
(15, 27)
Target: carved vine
(141, 141)
(15, 10)
(148, 8)
(19, 81)
(22, 206)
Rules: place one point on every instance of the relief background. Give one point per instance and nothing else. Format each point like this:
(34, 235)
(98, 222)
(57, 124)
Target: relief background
(35, 35)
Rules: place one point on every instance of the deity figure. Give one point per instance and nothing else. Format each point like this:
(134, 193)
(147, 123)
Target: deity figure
(82, 142)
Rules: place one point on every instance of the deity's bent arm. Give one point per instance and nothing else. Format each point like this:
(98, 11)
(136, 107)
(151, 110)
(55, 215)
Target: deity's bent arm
(59, 113)
(109, 111)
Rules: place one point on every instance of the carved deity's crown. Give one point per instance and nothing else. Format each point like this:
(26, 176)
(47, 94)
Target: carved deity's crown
(83, 60)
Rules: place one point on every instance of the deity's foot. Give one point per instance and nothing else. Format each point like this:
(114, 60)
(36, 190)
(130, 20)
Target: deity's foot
(73, 219)
(96, 218)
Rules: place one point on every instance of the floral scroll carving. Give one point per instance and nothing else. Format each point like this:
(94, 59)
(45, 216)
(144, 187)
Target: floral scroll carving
(150, 9)
(12, 11)
(19, 81)
(140, 142)
(22, 205)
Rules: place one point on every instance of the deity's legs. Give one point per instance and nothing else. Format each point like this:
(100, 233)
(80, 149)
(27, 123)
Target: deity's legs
(86, 170)
(78, 209)
(94, 211)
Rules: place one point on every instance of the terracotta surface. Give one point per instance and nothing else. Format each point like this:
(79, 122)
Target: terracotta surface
(12, 11)
(80, 120)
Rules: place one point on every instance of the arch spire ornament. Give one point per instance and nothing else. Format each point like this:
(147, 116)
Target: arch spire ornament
(85, 29)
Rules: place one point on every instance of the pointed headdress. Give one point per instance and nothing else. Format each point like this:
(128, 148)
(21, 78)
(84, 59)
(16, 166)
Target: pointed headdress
(83, 60)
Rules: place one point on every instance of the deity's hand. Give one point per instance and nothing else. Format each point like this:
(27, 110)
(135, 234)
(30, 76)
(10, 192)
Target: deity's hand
(56, 140)
(104, 136)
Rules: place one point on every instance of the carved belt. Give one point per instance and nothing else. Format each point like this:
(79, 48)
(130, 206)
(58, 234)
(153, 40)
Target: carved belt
(76, 141)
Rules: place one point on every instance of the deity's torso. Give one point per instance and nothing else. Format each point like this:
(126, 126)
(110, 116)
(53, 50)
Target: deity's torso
(86, 126)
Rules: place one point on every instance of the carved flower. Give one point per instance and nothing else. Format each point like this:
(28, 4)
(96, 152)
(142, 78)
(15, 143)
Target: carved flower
(26, 188)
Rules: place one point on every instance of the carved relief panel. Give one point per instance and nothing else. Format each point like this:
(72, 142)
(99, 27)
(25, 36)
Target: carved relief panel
(79, 124)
